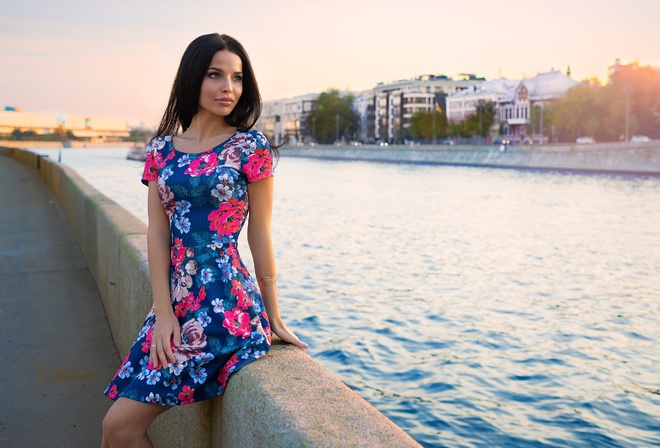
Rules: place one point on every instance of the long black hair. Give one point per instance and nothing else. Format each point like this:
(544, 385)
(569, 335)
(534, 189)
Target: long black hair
(184, 98)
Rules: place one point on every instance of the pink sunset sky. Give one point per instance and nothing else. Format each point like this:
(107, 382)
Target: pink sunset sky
(117, 58)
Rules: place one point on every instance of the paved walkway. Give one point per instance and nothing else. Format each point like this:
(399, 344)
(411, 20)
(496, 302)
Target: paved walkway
(56, 351)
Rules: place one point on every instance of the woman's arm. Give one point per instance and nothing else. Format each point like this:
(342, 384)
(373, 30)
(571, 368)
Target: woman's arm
(260, 195)
(167, 327)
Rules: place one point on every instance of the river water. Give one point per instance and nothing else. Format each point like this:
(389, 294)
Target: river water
(473, 307)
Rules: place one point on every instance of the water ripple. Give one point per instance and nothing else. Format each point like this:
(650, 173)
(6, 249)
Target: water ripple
(473, 307)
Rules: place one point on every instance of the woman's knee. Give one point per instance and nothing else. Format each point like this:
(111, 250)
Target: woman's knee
(127, 420)
(116, 427)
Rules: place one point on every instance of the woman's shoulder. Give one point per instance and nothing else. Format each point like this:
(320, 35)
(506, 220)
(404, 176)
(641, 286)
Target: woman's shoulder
(256, 138)
(158, 143)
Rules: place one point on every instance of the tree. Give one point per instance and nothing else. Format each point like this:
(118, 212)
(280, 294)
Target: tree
(571, 113)
(641, 86)
(591, 109)
(421, 125)
(333, 117)
(478, 123)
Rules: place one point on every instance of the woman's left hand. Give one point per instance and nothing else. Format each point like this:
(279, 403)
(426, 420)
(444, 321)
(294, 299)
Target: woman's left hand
(286, 335)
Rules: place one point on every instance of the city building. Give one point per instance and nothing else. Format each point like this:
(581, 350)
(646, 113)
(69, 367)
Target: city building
(464, 103)
(84, 128)
(386, 110)
(285, 120)
(514, 100)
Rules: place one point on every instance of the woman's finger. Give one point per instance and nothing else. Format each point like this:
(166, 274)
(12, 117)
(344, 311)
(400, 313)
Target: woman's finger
(153, 354)
(170, 353)
(162, 356)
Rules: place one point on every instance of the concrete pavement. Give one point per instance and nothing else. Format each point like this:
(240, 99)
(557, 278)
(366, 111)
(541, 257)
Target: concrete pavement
(57, 354)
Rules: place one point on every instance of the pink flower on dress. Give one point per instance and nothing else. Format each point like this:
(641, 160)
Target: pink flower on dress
(193, 341)
(226, 370)
(242, 298)
(178, 252)
(112, 393)
(187, 395)
(159, 161)
(166, 197)
(190, 303)
(232, 156)
(228, 217)
(259, 165)
(150, 168)
(181, 308)
(237, 322)
(146, 344)
(203, 165)
(181, 282)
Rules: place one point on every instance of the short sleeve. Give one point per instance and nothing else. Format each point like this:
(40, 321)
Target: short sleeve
(256, 157)
(150, 166)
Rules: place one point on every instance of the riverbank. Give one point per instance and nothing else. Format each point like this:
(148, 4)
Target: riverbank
(628, 158)
(21, 144)
(300, 403)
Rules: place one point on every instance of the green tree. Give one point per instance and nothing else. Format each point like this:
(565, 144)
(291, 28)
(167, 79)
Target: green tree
(421, 125)
(478, 123)
(600, 111)
(333, 117)
(640, 85)
(573, 115)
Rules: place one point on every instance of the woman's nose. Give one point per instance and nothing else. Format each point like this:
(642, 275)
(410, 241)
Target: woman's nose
(227, 87)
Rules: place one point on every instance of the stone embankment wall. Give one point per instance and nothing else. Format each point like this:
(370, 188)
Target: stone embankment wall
(285, 399)
(635, 158)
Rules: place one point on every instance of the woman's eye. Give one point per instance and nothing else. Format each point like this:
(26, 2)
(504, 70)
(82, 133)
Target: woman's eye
(238, 78)
(213, 75)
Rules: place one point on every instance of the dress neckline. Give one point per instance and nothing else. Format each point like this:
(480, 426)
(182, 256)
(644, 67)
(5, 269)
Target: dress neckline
(206, 150)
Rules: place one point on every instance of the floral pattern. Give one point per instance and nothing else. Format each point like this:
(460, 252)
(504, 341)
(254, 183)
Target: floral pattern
(223, 321)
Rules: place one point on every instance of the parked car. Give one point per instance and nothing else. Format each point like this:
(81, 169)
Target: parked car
(639, 139)
(447, 142)
(585, 141)
(501, 141)
(527, 141)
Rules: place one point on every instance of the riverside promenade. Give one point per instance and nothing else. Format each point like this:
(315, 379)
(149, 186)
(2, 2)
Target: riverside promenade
(77, 289)
(57, 354)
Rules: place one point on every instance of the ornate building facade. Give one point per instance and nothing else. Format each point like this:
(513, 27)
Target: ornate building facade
(514, 100)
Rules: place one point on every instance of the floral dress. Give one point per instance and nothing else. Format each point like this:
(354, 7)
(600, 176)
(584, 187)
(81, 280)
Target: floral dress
(218, 304)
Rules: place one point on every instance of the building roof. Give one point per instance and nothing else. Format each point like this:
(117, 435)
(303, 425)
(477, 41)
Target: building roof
(550, 85)
(499, 87)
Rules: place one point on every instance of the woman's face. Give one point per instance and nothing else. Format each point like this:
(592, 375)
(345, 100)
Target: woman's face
(222, 85)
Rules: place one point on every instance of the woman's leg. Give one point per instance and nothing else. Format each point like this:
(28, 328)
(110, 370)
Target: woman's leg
(126, 423)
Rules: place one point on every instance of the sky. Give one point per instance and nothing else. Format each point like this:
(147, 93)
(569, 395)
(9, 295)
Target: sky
(117, 59)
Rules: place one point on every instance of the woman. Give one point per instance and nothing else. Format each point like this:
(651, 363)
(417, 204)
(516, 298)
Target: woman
(209, 316)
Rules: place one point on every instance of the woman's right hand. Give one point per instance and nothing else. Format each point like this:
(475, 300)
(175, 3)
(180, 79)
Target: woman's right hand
(167, 333)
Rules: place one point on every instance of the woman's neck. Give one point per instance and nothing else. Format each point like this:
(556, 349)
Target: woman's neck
(205, 127)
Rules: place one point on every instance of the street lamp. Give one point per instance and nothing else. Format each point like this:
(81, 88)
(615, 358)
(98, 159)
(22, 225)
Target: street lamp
(541, 125)
(433, 122)
(627, 91)
(337, 128)
(314, 127)
(480, 104)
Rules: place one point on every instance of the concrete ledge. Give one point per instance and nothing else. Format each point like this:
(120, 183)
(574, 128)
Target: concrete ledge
(284, 399)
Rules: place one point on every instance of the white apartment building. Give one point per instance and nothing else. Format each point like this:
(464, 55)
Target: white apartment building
(462, 104)
(514, 100)
(285, 120)
(386, 110)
